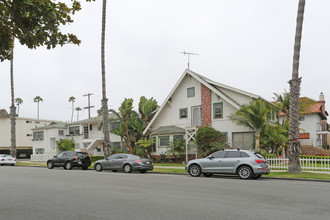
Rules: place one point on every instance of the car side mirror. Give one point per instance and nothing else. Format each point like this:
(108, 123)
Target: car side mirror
(55, 156)
(106, 158)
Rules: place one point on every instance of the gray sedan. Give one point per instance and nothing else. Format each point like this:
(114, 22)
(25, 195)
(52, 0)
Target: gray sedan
(125, 162)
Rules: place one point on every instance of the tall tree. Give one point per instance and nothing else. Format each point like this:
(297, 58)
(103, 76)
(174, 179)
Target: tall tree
(18, 102)
(147, 110)
(294, 144)
(72, 99)
(106, 134)
(255, 116)
(78, 109)
(126, 110)
(38, 99)
(34, 23)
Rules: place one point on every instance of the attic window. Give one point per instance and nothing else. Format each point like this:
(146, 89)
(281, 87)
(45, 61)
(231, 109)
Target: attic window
(191, 92)
(183, 113)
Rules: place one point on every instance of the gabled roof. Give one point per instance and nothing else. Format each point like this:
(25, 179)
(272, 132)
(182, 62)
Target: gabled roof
(311, 107)
(4, 113)
(212, 85)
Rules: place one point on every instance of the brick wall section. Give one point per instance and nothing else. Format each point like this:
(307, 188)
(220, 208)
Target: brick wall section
(206, 105)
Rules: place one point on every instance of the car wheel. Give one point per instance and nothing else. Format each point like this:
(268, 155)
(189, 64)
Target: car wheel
(114, 171)
(98, 167)
(195, 170)
(68, 165)
(50, 165)
(245, 172)
(1, 164)
(207, 174)
(143, 171)
(256, 176)
(84, 167)
(127, 168)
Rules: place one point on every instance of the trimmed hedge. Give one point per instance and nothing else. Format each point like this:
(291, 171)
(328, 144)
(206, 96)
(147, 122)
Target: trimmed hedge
(314, 157)
(95, 158)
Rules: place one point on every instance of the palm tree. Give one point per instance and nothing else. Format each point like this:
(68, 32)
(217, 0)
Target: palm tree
(255, 116)
(147, 110)
(72, 99)
(106, 145)
(125, 111)
(78, 109)
(38, 99)
(18, 102)
(294, 144)
(12, 107)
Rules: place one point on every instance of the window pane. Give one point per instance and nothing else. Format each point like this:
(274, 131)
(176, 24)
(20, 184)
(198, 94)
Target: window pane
(233, 154)
(191, 92)
(219, 154)
(183, 113)
(217, 108)
(164, 141)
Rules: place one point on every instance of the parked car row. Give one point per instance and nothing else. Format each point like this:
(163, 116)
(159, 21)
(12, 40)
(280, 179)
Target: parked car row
(115, 162)
(6, 159)
(244, 163)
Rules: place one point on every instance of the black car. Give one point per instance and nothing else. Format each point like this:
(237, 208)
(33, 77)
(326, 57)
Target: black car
(69, 159)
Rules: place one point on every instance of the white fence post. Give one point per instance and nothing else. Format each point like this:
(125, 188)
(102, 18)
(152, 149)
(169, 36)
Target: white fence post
(322, 164)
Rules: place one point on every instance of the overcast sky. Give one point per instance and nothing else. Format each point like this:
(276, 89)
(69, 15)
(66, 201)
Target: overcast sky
(246, 44)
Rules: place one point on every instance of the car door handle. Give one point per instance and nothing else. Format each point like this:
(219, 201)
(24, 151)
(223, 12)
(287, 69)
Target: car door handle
(238, 161)
(220, 160)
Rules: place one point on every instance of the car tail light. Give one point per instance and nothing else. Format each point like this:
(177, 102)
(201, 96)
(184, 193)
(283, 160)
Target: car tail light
(75, 157)
(2, 159)
(138, 161)
(260, 161)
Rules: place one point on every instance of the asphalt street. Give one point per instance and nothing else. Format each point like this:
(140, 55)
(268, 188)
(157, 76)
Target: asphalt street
(39, 193)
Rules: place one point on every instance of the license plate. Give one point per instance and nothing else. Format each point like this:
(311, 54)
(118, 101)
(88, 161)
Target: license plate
(9, 159)
(148, 162)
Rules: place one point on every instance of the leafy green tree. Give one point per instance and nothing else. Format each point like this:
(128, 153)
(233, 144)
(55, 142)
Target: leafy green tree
(177, 148)
(38, 99)
(78, 109)
(65, 145)
(274, 138)
(18, 102)
(209, 140)
(255, 116)
(33, 23)
(72, 99)
(145, 147)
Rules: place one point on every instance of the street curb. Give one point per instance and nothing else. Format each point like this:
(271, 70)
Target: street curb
(186, 174)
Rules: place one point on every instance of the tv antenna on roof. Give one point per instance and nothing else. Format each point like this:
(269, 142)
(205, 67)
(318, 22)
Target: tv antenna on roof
(188, 54)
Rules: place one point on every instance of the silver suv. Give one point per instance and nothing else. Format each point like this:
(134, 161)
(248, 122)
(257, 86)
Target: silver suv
(244, 163)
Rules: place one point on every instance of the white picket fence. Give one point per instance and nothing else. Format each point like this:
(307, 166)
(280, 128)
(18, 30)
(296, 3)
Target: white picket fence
(322, 164)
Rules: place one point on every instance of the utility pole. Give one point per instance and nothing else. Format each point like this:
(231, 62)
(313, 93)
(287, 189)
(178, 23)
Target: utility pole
(188, 54)
(89, 105)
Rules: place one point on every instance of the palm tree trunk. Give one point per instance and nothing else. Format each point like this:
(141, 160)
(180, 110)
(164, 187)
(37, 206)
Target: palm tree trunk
(257, 144)
(106, 132)
(12, 107)
(128, 138)
(294, 144)
(38, 110)
(72, 112)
